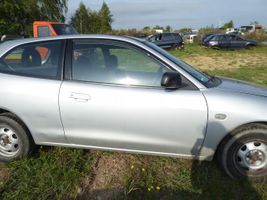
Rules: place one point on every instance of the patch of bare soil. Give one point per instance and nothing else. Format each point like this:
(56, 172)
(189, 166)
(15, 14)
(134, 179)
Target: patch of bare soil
(225, 61)
(105, 180)
(4, 175)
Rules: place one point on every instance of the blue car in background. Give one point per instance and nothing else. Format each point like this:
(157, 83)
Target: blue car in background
(167, 40)
(228, 41)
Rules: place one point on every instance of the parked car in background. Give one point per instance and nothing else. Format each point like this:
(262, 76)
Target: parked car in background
(167, 40)
(126, 94)
(228, 41)
(206, 36)
(47, 29)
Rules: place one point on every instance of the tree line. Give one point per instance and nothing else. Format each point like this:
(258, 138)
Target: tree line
(86, 20)
(17, 16)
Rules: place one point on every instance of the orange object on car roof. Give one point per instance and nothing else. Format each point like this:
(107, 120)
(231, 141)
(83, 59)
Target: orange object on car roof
(47, 28)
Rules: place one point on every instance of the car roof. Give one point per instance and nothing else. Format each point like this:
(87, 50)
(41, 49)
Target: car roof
(6, 46)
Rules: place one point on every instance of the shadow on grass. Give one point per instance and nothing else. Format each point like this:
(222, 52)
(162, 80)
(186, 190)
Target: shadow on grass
(207, 183)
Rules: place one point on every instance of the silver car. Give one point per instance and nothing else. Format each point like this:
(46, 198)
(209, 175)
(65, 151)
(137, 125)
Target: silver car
(124, 94)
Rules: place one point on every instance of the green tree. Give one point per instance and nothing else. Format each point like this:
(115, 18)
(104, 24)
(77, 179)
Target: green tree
(11, 13)
(81, 19)
(146, 30)
(229, 24)
(106, 19)
(88, 21)
(17, 16)
(158, 27)
(53, 10)
(168, 29)
(95, 22)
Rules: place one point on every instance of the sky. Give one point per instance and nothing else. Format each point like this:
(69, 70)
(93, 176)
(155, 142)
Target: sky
(179, 13)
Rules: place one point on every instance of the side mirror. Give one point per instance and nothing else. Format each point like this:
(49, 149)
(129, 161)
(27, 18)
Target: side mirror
(171, 80)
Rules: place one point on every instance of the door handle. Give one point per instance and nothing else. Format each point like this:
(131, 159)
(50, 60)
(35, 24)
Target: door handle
(80, 97)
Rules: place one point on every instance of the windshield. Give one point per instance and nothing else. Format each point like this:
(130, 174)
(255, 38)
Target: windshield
(64, 29)
(208, 38)
(203, 78)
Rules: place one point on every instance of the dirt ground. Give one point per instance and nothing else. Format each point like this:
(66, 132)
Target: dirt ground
(4, 174)
(106, 178)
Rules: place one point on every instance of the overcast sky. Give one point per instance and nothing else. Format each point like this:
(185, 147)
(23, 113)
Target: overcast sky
(179, 13)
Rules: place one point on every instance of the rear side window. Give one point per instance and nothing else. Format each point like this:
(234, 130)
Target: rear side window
(168, 37)
(43, 31)
(177, 36)
(35, 60)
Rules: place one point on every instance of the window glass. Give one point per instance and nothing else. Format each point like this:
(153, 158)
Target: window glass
(203, 78)
(167, 36)
(158, 37)
(115, 63)
(37, 60)
(215, 38)
(176, 36)
(43, 31)
(227, 37)
(239, 38)
(64, 29)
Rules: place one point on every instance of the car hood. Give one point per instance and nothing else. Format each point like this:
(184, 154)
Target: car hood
(233, 85)
(252, 41)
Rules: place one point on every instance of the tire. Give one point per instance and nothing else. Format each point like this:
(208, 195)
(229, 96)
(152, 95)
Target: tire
(177, 47)
(15, 143)
(243, 154)
(250, 46)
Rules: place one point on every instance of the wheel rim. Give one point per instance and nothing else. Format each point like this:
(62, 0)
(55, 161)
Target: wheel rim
(252, 156)
(9, 142)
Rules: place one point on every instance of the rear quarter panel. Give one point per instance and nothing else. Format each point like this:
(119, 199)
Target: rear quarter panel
(35, 102)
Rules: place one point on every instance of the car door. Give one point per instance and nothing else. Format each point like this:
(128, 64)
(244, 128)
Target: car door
(167, 40)
(224, 41)
(30, 78)
(158, 40)
(237, 42)
(114, 101)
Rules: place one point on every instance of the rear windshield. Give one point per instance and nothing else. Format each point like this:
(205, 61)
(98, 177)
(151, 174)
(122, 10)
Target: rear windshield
(64, 29)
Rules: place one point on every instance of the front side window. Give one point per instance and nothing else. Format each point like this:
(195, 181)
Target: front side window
(115, 63)
(34, 60)
(203, 78)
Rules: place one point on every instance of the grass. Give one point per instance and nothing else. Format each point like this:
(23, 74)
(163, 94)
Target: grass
(53, 174)
(61, 173)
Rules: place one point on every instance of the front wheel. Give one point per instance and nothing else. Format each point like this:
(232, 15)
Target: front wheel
(244, 154)
(14, 140)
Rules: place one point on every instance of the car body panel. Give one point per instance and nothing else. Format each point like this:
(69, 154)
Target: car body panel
(134, 118)
(35, 102)
(237, 108)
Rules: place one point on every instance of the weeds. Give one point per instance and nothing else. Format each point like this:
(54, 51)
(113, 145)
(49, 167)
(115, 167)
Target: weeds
(54, 174)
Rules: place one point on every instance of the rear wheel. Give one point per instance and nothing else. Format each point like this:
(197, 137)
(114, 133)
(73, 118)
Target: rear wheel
(244, 154)
(14, 140)
(250, 46)
(177, 47)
